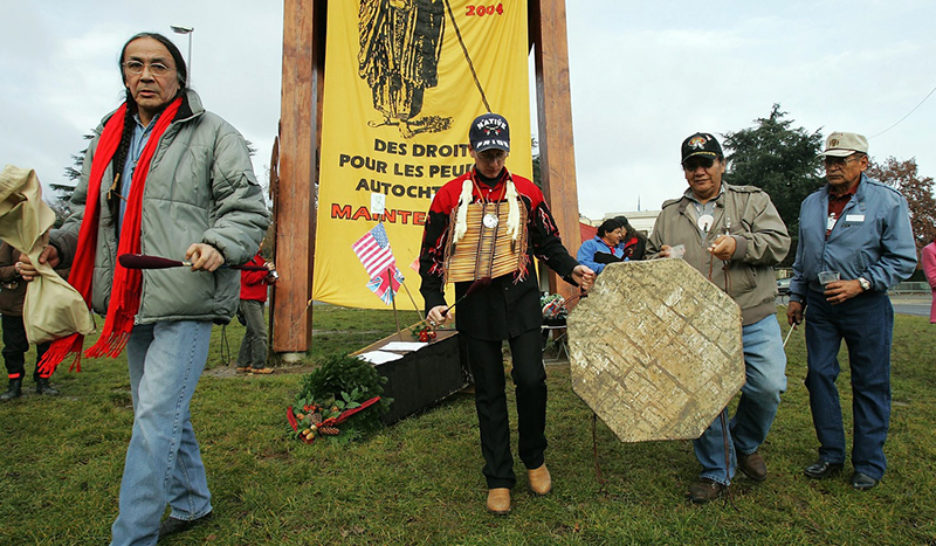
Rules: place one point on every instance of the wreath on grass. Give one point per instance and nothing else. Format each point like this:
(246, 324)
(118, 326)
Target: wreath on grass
(341, 398)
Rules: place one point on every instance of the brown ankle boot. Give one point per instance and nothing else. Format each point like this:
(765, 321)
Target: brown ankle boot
(498, 501)
(540, 481)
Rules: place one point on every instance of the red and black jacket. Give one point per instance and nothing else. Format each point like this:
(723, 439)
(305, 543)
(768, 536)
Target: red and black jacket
(510, 305)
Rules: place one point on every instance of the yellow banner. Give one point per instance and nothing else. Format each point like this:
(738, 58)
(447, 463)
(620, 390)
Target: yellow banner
(400, 94)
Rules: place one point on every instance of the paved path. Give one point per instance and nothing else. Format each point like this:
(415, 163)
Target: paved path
(912, 305)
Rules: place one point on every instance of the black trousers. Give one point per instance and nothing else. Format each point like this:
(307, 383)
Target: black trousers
(15, 346)
(529, 376)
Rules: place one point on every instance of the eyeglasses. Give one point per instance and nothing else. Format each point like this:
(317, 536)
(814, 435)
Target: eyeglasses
(156, 68)
(694, 163)
(831, 161)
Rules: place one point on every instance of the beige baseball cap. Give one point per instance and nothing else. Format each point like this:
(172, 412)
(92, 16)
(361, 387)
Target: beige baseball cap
(844, 144)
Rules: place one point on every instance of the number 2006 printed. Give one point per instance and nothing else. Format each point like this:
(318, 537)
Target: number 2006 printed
(481, 11)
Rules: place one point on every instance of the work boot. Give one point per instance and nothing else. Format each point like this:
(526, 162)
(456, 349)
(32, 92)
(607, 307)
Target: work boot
(705, 490)
(498, 501)
(43, 387)
(15, 390)
(540, 481)
(753, 466)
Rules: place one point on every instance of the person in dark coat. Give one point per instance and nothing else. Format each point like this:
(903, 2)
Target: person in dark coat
(507, 308)
(15, 344)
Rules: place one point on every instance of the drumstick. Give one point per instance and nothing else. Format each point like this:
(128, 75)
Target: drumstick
(143, 261)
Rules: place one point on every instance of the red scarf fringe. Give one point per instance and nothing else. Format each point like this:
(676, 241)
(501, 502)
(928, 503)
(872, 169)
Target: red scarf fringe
(125, 291)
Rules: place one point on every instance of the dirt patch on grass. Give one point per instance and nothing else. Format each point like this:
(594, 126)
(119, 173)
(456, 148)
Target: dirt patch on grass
(231, 371)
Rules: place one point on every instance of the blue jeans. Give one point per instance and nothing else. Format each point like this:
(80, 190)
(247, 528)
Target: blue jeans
(163, 464)
(765, 372)
(866, 323)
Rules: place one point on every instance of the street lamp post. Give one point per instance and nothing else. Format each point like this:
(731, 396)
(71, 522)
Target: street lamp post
(188, 31)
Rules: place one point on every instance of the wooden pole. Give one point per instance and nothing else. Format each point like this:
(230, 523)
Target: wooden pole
(303, 67)
(554, 113)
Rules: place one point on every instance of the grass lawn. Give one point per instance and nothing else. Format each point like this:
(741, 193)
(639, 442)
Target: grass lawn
(420, 481)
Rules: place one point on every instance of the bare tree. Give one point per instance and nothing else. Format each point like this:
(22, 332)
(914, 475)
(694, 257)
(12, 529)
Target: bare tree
(903, 176)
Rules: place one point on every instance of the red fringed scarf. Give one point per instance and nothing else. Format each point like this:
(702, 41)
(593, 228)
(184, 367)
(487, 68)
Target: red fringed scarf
(125, 292)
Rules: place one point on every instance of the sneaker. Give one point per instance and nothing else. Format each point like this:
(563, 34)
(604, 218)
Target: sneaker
(262, 371)
(705, 490)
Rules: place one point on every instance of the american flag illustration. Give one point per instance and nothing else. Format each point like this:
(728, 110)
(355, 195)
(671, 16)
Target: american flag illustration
(373, 249)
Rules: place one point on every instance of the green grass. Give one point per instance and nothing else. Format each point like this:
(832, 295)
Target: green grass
(420, 481)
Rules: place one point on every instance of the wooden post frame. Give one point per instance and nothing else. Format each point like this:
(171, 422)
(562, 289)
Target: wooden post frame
(304, 27)
(294, 201)
(554, 116)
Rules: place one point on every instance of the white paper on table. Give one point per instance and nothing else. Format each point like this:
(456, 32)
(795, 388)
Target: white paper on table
(379, 357)
(404, 346)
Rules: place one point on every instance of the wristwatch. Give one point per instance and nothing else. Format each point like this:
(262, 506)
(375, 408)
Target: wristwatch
(865, 285)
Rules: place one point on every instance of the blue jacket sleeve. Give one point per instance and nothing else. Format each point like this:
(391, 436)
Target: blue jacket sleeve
(898, 257)
(586, 255)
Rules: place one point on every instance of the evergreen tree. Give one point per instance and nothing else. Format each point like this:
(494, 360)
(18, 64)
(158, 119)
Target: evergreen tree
(781, 160)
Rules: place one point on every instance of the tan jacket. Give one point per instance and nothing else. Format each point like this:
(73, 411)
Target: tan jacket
(762, 242)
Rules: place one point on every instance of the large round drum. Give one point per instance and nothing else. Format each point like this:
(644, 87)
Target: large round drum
(655, 350)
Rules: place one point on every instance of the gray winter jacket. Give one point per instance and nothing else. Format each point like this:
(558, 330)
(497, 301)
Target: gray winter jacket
(200, 189)
(762, 242)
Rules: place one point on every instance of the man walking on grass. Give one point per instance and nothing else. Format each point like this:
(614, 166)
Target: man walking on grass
(506, 307)
(855, 242)
(734, 236)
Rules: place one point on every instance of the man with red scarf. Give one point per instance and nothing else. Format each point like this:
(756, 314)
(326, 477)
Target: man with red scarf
(167, 178)
(506, 309)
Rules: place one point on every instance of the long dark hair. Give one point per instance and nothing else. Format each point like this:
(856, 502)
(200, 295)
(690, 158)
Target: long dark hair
(120, 156)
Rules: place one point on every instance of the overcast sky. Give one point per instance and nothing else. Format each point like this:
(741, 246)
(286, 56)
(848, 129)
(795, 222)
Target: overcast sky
(644, 75)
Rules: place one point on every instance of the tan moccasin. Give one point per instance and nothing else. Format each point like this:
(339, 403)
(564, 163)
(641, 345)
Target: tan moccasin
(498, 501)
(540, 481)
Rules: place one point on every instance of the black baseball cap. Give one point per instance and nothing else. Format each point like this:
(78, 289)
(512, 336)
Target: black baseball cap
(489, 131)
(700, 144)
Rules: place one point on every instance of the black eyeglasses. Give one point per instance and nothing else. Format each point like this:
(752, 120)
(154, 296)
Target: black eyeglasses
(831, 161)
(694, 163)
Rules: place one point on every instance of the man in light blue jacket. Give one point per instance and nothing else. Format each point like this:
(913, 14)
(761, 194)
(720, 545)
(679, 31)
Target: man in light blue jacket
(855, 242)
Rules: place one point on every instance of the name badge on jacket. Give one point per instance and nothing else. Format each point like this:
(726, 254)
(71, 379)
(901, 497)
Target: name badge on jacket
(854, 217)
